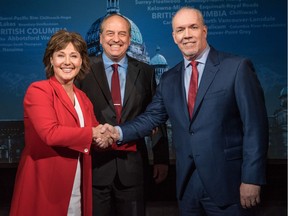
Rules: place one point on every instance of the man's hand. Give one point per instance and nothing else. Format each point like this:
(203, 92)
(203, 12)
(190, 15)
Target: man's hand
(249, 195)
(103, 139)
(160, 172)
(105, 135)
(113, 131)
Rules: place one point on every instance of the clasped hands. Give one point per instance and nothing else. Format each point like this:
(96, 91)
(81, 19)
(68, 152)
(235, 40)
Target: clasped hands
(105, 135)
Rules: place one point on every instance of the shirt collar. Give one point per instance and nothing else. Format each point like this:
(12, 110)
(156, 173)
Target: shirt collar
(201, 58)
(108, 62)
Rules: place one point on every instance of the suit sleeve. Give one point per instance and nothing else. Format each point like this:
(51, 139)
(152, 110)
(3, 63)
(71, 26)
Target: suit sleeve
(43, 112)
(159, 140)
(251, 103)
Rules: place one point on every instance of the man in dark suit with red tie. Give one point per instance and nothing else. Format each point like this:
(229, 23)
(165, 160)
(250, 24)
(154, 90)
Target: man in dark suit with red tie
(221, 144)
(120, 88)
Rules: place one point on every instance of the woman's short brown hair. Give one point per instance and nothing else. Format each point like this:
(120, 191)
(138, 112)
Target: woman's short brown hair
(59, 41)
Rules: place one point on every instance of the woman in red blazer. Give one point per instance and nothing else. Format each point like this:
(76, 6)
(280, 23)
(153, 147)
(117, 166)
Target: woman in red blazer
(54, 173)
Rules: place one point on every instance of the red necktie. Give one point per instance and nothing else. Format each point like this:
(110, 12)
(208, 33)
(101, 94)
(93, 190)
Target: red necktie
(193, 87)
(116, 92)
(116, 97)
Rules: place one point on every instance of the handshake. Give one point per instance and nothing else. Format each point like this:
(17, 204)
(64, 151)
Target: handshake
(105, 135)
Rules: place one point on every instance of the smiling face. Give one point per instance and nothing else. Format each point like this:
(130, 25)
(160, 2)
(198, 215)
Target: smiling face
(189, 32)
(66, 64)
(115, 37)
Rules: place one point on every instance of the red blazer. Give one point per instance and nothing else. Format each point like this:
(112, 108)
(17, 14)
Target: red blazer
(53, 142)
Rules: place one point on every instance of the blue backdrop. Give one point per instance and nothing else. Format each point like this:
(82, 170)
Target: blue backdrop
(253, 28)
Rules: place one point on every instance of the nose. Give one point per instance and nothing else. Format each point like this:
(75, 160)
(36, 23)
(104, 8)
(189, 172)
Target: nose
(116, 38)
(67, 60)
(187, 32)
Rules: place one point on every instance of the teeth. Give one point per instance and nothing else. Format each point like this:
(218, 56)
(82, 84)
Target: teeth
(67, 69)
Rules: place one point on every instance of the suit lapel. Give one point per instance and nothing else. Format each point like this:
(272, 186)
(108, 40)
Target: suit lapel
(131, 77)
(99, 74)
(63, 97)
(177, 93)
(210, 70)
(183, 98)
(84, 106)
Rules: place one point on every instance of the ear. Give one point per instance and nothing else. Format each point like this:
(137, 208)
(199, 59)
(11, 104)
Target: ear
(205, 30)
(173, 35)
(129, 40)
(100, 38)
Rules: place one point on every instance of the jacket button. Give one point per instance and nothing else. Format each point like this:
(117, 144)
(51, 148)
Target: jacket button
(86, 150)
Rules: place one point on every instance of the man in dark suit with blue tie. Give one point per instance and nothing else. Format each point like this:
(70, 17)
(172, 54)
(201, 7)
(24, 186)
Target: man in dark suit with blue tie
(221, 145)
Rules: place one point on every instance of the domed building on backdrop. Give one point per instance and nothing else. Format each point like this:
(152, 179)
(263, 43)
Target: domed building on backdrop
(137, 47)
(159, 63)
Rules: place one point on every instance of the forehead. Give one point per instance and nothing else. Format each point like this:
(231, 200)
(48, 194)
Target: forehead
(185, 17)
(69, 47)
(115, 22)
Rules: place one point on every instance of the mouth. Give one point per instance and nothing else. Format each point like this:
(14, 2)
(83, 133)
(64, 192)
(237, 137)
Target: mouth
(115, 46)
(66, 69)
(189, 44)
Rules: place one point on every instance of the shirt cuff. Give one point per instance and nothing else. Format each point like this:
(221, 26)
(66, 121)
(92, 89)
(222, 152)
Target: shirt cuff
(119, 142)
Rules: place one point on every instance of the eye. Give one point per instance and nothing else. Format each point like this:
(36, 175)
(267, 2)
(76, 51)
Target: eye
(194, 27)
(123, 34)
(74, 56)
(110, 34)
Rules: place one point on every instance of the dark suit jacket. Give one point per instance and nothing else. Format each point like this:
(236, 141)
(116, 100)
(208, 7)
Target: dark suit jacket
(139, 89)
(227, 138)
